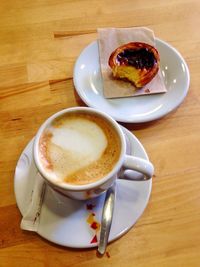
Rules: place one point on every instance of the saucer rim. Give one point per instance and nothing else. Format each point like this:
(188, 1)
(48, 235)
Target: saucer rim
(125, 230)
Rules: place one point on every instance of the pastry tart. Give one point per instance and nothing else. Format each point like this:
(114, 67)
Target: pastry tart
(135, 62)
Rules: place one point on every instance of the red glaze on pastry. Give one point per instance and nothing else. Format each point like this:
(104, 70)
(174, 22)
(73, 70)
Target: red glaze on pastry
(136, 62)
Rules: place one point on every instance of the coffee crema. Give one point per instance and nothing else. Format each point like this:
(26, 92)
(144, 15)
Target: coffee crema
(79, 148)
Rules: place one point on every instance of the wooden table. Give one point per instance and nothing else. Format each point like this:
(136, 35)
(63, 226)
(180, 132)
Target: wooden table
(36, 71)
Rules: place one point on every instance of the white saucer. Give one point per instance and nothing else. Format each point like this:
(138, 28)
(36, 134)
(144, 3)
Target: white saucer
(88, 84)
(64, 221)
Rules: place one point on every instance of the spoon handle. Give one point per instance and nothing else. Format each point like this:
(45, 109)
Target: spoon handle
(106, 220)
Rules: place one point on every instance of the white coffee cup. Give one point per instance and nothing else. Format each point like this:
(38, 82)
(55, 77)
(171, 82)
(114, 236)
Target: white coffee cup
(79, 152)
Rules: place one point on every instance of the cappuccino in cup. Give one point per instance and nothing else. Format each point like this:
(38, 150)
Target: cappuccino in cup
(79, 152)
(79, 148)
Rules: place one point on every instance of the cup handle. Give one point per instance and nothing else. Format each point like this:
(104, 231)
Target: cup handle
(140, 165)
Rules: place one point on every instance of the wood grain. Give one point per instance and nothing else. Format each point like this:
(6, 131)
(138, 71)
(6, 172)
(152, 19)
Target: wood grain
(39, 44)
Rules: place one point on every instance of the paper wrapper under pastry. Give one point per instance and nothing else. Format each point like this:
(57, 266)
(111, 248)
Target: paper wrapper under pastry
(135, 62)
(109, 39)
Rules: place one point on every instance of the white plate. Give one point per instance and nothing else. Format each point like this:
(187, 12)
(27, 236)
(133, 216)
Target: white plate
(88, 83)
(64, 221)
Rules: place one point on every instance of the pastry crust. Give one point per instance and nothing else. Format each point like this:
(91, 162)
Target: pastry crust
(135, 62)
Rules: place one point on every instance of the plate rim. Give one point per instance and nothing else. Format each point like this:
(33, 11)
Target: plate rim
(130, 120)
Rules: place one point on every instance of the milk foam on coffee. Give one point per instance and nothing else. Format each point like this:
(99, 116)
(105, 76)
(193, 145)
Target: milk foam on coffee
(79, 148)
